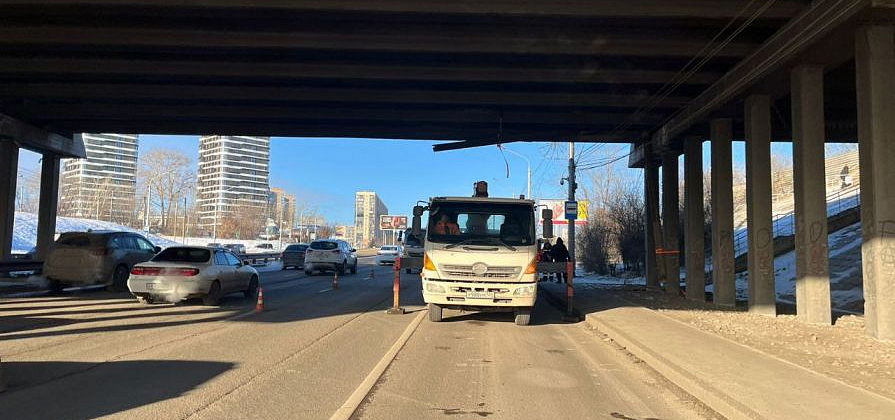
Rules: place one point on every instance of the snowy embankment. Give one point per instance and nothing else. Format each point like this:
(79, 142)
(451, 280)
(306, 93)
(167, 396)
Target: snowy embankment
(25, 231)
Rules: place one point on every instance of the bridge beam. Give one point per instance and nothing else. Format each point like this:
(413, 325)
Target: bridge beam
(762, 294)
(670, 217)
(808, 134)
(694, 219)
(722, 212)
(875, 74)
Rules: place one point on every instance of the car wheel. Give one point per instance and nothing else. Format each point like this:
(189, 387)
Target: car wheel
(55, 286)
(523, 316)
(308, 272)
(214, 295)
(253, 287)
(341, 268)
(119, 278)
(435, 312)
(354, 268)
(145, 300)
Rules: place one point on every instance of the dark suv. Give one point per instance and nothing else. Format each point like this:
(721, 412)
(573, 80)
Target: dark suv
(294, 256)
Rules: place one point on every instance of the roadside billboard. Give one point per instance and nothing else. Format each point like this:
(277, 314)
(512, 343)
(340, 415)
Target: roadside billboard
(391, 222)
(559, 211)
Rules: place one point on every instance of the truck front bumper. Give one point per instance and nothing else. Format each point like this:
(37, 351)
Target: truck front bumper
(479, 295)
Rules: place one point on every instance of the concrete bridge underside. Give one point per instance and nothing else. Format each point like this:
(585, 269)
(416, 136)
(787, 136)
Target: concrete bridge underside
(660, 75)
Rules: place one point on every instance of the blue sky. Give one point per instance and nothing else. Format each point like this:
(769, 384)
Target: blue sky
(325, 173)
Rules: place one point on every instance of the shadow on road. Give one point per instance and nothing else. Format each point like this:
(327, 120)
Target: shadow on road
(51, 393)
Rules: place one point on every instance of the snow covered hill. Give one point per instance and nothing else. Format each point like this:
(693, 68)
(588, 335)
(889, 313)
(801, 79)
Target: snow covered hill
(25, 230)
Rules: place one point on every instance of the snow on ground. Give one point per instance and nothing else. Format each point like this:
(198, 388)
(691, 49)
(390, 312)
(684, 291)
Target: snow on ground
(25, 230)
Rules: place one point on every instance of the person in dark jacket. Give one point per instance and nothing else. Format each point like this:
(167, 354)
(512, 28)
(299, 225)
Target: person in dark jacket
(560, 253)
(545, 257)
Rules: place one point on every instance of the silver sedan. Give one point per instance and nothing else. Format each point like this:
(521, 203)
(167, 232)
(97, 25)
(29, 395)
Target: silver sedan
(181, 272)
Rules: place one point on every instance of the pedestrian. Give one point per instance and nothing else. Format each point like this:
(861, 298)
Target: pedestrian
(560, 253)
(546, 257)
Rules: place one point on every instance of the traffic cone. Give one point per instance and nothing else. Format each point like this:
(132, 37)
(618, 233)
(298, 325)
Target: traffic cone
(259, 307)
(335, 279)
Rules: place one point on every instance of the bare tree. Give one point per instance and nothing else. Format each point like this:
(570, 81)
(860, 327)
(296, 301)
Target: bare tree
(171, 176)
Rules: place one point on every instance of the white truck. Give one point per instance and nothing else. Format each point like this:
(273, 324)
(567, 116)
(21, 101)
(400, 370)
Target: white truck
(480, 255)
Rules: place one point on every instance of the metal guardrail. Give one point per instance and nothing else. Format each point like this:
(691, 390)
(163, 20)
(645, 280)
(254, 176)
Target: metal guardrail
(841, 200)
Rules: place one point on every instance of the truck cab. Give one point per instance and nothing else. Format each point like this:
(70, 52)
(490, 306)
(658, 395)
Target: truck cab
(480, 254)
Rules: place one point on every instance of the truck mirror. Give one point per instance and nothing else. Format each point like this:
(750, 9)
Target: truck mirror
(416, 226)
(547, 215)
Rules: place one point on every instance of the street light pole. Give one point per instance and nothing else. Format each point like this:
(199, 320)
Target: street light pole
(528, 188)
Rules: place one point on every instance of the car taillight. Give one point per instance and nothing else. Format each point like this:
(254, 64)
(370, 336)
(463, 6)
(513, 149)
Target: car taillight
(146, 271)
(185, 272)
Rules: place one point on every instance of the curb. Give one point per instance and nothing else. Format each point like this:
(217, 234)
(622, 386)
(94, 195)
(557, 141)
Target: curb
(721, 403)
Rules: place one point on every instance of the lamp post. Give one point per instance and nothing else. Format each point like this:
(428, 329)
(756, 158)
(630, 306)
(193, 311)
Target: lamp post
(528, 188)
(217, 204)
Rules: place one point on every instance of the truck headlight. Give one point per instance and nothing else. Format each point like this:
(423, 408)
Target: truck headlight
(434, 288)
(525, 291)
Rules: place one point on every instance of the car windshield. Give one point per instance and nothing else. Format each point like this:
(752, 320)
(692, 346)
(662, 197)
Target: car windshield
(481, 224)
(324, 245)
(189, 255)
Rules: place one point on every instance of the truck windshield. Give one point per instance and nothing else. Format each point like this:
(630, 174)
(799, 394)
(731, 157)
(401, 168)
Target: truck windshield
(481, 223)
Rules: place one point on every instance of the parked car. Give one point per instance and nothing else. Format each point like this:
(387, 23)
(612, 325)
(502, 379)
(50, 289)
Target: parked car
(184, 272)
(330, 255)
(238, 249)
(96, 257)
(265, 246)
(294, 256)
(388, 254)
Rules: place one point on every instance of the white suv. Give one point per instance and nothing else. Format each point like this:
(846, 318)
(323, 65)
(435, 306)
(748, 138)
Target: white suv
(330, 255)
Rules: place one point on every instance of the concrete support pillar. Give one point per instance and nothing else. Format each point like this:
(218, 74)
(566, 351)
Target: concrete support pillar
(651, 192)
(670, 220)
(722, 212)
(762, 294)
(875, 71)
(808, 138)
(9, 166)
(49, 203)
(694, 219)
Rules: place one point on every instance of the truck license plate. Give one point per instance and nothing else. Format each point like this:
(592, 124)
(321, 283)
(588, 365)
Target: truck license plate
(472, 294)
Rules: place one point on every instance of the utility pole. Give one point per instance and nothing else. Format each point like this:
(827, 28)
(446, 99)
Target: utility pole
(572, 187)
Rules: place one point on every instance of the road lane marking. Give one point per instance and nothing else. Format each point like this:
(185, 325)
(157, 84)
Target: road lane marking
(357, 397)
(324, 290)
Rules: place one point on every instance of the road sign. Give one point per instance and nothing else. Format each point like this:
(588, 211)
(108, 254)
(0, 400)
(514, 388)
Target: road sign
(571, 210)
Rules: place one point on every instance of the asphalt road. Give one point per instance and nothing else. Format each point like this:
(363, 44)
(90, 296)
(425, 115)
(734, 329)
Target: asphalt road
(315, 352)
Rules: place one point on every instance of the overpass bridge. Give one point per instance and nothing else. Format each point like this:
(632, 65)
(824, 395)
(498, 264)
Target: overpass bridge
(662, 75)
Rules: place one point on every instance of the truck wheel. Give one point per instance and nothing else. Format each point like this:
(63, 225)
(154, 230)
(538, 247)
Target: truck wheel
(523, 316)
(435, 312)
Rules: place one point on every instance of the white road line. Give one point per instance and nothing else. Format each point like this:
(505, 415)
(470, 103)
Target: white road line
(357, 397)
(324, 290)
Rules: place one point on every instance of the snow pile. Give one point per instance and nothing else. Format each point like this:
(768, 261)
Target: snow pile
(25, 230)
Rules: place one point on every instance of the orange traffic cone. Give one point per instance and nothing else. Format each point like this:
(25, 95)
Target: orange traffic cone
(259, 307)
(335, 279)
